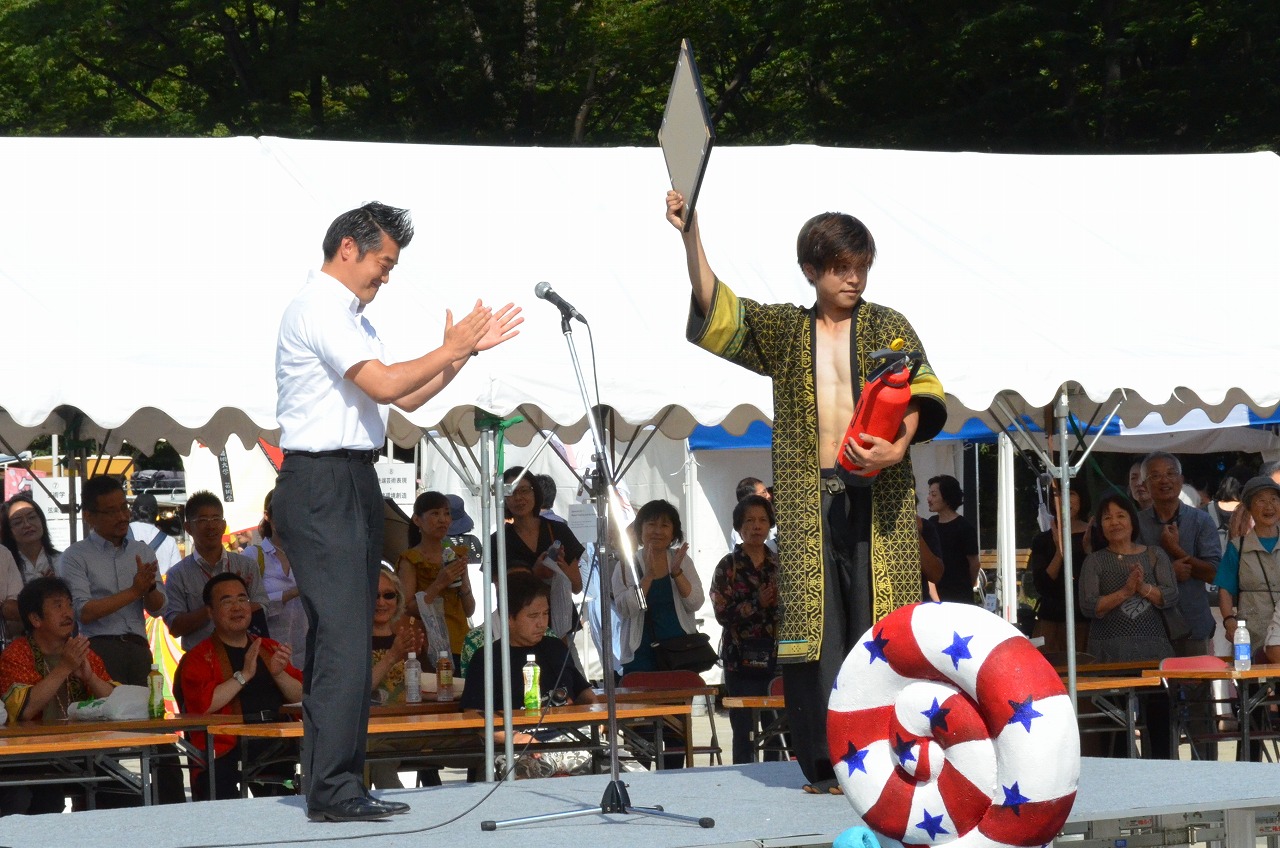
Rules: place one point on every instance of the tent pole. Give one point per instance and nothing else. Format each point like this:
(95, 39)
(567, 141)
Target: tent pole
(1063, 472)
(1006, 549)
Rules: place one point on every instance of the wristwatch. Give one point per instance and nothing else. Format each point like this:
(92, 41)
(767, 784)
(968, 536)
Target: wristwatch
(239, 678)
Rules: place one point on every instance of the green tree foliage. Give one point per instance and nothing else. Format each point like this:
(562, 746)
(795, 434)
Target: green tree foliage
(1052, 76)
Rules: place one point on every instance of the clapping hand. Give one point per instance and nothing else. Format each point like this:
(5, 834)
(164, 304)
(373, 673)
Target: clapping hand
(461, 338)
(409, 637)
(677, 559)
(279, 659)
(145, 578)
(451, 573)
(1134, 583)
(501, 327)
(1169, 541)
(251, 658)
(1241, 522)
(75, 657)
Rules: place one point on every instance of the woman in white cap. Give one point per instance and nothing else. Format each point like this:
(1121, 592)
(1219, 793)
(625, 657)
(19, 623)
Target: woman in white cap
(1248, 575)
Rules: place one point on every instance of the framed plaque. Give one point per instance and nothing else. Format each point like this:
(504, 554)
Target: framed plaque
(686, 134)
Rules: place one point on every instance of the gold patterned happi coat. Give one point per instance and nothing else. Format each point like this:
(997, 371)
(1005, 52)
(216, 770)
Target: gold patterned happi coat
(777, 340)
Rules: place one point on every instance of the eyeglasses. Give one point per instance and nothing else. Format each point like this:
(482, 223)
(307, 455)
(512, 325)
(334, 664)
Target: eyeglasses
(123, 509)
(208, 521)
(388, 596)
(233, 601)
(1162, 475)
(522, 491)
(27, 516)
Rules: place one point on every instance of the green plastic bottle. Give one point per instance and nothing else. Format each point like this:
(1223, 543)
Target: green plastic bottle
(155, 692)
(532, 684)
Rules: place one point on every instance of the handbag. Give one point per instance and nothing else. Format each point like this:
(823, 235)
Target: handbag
(1175, 625)
(687, 652)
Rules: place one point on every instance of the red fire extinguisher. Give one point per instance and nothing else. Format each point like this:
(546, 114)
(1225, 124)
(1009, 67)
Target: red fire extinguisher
(882, 404)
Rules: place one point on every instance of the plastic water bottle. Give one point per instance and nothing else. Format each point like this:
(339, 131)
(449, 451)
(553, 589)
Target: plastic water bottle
(532, 684)
(155, 692)
(444, 677)
(412, 679)
(1243, 648)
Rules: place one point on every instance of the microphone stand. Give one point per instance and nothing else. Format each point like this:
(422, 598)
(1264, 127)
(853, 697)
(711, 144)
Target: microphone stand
(615, 800)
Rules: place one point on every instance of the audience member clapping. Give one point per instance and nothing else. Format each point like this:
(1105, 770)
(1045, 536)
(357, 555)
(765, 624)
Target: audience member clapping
(1123, 588)
(670, 586)
(42, 674)
(234, 673)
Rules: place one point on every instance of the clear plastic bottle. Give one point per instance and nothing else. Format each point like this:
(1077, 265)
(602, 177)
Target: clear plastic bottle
(532, 684)
(444, 677)
(1243, 650)
(412, 679)
(155, 692)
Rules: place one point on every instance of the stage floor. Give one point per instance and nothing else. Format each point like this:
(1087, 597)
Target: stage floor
(753, 806)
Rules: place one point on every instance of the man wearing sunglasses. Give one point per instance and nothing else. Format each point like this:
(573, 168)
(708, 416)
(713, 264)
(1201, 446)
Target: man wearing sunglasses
(112, 580)
(185, 613)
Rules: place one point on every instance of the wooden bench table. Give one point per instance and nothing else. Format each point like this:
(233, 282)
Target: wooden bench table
(1116, 699)
(1252, 687)
(469, 723)
(761, 734)
(174, 724)
(73, 757)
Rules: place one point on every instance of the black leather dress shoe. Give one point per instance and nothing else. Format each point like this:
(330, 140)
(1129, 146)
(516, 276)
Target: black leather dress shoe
(394, 808)
(352, 809)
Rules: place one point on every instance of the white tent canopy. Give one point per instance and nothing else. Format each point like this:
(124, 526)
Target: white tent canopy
(146, 277)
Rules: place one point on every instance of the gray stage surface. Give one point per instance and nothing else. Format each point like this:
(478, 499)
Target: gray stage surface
(757, 805)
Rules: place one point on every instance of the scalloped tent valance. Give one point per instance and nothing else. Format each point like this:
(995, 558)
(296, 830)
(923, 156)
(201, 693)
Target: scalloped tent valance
(145, 277)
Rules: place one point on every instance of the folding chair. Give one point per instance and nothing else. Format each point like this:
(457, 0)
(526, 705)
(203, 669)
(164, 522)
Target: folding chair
(680, 680)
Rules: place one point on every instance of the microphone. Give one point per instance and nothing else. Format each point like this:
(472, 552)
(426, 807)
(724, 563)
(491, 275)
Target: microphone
(544, 291)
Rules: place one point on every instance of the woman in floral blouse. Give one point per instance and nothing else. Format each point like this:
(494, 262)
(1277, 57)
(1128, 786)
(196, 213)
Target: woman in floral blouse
(744, 593)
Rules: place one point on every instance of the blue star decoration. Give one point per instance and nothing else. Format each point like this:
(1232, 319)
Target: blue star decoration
(937, 716)
(903, 749)
(932, 825)
(959, 649)
(1023, 713)
(876, 647)
(854, 758)
(1013, 798)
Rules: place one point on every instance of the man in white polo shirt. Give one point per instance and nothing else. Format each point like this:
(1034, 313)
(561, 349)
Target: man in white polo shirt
(333, 390)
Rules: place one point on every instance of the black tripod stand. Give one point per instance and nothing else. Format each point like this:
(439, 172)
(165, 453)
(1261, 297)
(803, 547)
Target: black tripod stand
(605, 496)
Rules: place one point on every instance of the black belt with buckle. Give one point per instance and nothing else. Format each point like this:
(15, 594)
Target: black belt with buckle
(368, 457)
(832, 485)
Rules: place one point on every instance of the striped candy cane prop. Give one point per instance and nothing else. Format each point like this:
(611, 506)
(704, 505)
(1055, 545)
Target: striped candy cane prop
(947, 726)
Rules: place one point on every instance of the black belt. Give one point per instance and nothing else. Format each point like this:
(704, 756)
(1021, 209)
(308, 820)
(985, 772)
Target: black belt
(832, 485)
(368, 457)
(131, 638)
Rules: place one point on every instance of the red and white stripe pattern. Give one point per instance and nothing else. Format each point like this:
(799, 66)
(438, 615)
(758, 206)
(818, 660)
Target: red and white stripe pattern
(947, 726)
